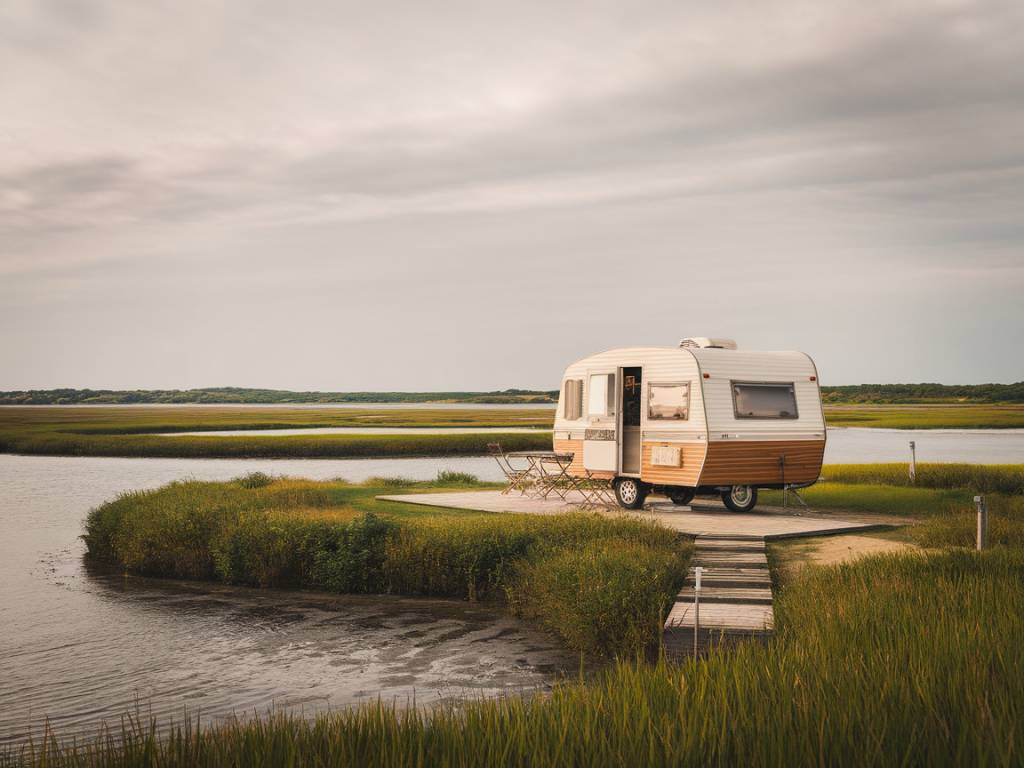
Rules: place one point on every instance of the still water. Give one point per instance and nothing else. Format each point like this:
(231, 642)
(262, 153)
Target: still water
(860, 445)
(80, 648)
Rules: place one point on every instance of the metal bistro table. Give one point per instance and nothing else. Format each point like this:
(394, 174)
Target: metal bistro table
(548, 472)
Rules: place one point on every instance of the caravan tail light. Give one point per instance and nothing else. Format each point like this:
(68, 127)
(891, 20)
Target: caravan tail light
(707, 375)
(814, 378)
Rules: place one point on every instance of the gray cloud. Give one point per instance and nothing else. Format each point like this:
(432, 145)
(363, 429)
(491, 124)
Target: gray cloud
(391, 156)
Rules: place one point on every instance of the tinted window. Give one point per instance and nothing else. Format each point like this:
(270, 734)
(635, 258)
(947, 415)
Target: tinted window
(668, 401)
(764, 401)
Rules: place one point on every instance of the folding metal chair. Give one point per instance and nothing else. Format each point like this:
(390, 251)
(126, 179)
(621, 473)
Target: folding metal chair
(517, 478)
(597, 492)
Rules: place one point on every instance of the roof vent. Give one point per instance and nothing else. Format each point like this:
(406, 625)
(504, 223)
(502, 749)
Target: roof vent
(703, 342)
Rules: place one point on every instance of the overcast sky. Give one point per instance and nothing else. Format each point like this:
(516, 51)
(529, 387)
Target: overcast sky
(436, 196)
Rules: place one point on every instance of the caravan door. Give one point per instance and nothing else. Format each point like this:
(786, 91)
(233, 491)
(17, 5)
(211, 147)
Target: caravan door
(630, 424)
(600, 443)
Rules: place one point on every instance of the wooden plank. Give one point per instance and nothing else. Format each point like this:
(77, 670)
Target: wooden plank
(708, 542)
(728, 594)
(732, 462)
(722, 616)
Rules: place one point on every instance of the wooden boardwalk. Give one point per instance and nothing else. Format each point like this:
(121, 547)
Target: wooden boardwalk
(735, 596)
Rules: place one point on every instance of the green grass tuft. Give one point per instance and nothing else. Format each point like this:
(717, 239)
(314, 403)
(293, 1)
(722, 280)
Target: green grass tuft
(254, 480)
(451, 477)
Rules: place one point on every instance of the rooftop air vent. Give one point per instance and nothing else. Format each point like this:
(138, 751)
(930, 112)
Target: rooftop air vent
(703, 342)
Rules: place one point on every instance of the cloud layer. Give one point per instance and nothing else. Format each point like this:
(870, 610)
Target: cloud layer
(414, 196)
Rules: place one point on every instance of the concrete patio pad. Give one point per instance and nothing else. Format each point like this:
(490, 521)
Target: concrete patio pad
(699, 520)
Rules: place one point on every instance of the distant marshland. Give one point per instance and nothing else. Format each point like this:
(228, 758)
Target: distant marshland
(138, 431)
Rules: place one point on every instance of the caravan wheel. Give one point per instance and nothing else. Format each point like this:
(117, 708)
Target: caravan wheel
(630, 493)
(740, 498)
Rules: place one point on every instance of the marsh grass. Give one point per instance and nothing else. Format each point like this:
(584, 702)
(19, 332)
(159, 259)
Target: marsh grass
(946, 416)
(896, 660)
(267, 446)
(958, 527)
(255, 480)
(450, 477)
(979, 478)
(876, 498)
(616, 575)
(70, 431)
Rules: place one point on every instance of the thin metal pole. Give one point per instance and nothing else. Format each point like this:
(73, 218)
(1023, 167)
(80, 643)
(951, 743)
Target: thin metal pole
(696, 607)
(913, 462)
(785, 490)
(979, 502)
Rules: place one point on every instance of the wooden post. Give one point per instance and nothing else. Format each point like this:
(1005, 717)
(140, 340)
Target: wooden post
(913, 462)
(696, 607)
(979, 502)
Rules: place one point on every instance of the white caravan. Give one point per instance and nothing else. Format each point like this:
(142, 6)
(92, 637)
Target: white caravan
(703, 417)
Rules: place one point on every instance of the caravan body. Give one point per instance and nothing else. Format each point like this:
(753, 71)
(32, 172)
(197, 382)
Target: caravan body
(701, 417)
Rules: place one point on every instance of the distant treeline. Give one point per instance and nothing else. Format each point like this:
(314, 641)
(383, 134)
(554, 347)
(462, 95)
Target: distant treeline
(857, 393)
(228, 395)
(925, 393)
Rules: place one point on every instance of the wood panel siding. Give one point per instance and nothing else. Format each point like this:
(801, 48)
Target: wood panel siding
(576, 469)
(752, 462)
(687, 475)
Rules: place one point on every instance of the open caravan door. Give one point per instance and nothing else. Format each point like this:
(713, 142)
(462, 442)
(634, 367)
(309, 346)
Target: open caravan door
(600, 443)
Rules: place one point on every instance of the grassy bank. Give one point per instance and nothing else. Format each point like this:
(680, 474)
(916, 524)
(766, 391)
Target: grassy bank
(940, 502)
(977, 478)
(601, 584)
(908, 660)
(280, 447)
(946, 416)
(140, 432)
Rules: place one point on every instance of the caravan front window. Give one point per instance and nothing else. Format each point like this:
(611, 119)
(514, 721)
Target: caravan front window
(601, 395)
(668, 401)
(757, 400)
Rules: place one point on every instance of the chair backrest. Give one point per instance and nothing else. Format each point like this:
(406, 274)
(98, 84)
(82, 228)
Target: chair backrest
(499, 456)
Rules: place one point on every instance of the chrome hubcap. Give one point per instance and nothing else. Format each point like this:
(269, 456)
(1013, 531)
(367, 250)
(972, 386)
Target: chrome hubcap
(627, 490)
(741, 494)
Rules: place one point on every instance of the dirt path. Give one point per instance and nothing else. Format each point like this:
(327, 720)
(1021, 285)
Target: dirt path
(791, 556)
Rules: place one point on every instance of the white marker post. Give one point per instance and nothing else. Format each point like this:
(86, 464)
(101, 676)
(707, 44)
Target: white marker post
(696, 606)
(979, 502)
(913, 462)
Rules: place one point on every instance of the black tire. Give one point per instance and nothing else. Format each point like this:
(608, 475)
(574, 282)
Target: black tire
(681, 496)
(740, 498)
(630, 492)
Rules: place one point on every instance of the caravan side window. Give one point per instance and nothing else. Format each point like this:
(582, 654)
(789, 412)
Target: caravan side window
(668, 401)
(601, 396)
(572, 399)
(757, 400)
